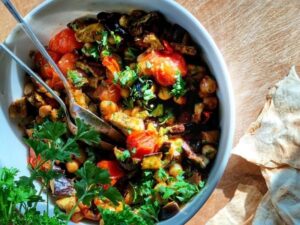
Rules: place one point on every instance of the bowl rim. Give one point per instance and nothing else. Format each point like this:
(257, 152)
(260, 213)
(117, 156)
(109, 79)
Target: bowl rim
(206, 192)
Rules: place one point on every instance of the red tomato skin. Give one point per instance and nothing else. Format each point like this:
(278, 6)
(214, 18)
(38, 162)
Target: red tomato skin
(44, 67)
(144, 142)
(112, 65)
(67, 62)
(64, 42)
(164, 65)
(108, 92)
(113, 169)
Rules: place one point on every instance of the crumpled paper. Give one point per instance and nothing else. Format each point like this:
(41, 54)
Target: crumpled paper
(273, 143)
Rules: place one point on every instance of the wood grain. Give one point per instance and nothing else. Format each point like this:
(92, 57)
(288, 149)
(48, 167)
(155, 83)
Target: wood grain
(260, 40)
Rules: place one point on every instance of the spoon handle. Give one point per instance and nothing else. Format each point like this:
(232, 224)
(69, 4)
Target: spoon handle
(33, 75)
(37, 43)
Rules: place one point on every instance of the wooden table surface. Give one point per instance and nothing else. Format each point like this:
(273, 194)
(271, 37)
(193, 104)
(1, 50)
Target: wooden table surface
(260, 41)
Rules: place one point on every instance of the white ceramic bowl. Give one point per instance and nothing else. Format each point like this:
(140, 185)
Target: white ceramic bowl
(50, 17)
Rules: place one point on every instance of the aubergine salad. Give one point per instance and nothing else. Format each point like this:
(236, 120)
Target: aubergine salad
(146, 77)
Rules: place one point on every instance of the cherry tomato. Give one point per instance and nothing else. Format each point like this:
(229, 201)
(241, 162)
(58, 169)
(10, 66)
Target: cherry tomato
(34, 161)
(112, 65)
(67, 62)
(64, 42)
(113, 168)
(143, 142)
(45, 70)
(162, 65)
(109, 92)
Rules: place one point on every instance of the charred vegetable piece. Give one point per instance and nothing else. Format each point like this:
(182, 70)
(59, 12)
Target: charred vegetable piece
(82, 22)
(126, 123)
(152, 161)
(108, 92)
(152, 41)
(90, 33)
(94, 69)
(198, 109)
(147, 23)
(142, 143)
(18, 109)
(62, 186)
(169, 210)
(177, 129)
(210, 137)
(209, 151)
(199, 160)
(184, 49)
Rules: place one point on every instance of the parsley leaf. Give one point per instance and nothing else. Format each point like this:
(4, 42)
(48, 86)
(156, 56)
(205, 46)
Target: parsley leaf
(91, 51)
(86, 133)
(179, 88)
(126, 77)
(77, 79)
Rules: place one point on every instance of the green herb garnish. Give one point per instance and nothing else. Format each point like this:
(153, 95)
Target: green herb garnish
(77, 79)
(179, 88)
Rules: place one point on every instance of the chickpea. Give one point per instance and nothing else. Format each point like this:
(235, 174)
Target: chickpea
(175, 170)
(72, 166)
(210, 102)
(28, 89)
(45, 110)
(207, 86)
(123, 21)
(54, 114)
(108, 107)
(164, 93)
(180, 101)
(125, 92)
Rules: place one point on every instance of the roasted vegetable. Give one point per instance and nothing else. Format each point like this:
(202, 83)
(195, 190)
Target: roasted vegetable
(184, 49)
(169, 210)
(67, 204)
(126, 123)
(152, 161)
(90, 33)
(199, 160)
(62, 187)
(18, 109)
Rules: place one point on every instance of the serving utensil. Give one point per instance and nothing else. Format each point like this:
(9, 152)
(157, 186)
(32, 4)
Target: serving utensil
(75, 110)
(72, 127)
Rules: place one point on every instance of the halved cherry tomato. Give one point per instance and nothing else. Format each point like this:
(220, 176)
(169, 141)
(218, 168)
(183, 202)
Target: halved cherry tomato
(67, 62)
(44, 67)
(143, 142)
(34, 161)
(64, 42)
(163, 65)
(112, 65)
(113, 168)
(108, 92)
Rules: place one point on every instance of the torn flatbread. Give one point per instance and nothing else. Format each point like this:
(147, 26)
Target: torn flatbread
(273, 139)
(241, 209)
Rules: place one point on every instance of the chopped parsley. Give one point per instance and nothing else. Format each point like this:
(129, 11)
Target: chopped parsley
(77, 79)
(179, 88)
(126, 77)
(91, 51)
(117, 38)
(148, 65)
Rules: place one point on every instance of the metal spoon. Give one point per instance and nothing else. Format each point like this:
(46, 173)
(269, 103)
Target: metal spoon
(76, 111)
(103, 144)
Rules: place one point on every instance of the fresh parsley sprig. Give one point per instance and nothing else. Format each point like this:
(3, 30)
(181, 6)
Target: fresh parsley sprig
(179, 88)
